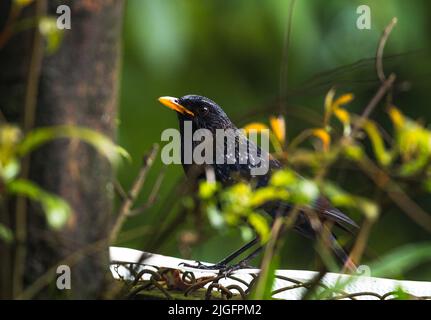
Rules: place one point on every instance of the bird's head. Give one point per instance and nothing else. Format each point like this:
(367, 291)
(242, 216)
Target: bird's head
(203, 112)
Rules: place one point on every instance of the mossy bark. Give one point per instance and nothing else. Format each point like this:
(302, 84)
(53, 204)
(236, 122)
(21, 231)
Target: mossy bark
(77, 85)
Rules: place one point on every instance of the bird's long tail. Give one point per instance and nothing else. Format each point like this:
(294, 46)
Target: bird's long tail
(348, 264)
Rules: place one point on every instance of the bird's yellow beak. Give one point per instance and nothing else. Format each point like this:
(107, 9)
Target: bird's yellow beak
(172, 103)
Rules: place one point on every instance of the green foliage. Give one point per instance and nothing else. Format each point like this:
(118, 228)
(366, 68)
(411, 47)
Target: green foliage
(53, 35)
(103, 144)
(342, 199)
(262, 290)
(407, 154)
(241, 204)
(400, 294)
(245, 80)
(5, 234)
(22, 3)
(14, 146)
(411, 147)
(57, 211)
(402, 259)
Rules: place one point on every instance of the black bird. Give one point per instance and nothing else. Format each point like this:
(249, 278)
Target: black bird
(204, 113)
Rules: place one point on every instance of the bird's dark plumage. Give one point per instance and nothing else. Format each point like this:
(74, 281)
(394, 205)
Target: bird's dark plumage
(206, 114)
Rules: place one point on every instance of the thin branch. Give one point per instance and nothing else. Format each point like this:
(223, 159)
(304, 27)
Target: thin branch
(3, 119)
(134, 191)
(386, 85)
(152, 198)
(7, 31)
(396, 194)
(360, 243)
(120, 190)
(381, 47)
(285, 57)
(32, 88)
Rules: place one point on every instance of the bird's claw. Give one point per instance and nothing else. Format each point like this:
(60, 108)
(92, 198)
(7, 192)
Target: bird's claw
(223, 269)
(228, 270)
(199, 265)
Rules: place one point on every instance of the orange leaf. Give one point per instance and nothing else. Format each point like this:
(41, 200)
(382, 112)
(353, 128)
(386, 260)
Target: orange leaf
(324, 136)
(342, 115)
(396, 116)
(342, 100)
(256, 126)
(278, 125)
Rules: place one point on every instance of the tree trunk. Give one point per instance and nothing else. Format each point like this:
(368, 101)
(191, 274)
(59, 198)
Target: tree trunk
(77, 85)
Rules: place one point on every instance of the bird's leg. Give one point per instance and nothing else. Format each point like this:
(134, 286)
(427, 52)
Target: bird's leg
(243, 264)
(236, 253)
(223, 263)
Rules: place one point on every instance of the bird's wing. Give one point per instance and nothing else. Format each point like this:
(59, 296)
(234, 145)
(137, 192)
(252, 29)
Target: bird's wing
(251, 156)
(321, 207)
(324, 208)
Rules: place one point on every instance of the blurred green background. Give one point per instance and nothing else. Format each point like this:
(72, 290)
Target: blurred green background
(231, 52)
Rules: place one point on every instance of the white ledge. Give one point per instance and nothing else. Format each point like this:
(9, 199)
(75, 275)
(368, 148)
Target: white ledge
(355, 285)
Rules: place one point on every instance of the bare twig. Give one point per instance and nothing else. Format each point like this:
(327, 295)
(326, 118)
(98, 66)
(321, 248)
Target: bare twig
(45, 279)
(120, 190)
(152, 198)
(386, 85)
(396, 194)
(32, 88)
(7, 31)
(2, 118)
(381, 47)
(361, 242)
(285, 58)
(134, 192)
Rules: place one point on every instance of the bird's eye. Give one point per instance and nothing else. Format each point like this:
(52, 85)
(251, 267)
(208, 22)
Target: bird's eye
(204, 111)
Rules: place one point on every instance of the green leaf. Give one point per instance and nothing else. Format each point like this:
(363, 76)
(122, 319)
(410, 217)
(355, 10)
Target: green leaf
(299, 190)
(354, 152)
(260, 225)
(102, 143)
(22, 3)
(369, 208)
(53, 35)
(207, 190)
(6, 234)
(247, 233)
(383, 156)
(10, 137)
(341, 198)
(402, 259)
(401, 294)
(263, 288)
(304, 192)
(10, 171)
(237, 198)
(283, 178)
(57, 211)
(265, 194)
(215, 217)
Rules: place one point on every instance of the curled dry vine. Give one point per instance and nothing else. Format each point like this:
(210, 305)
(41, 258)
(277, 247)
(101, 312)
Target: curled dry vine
(166, 283)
